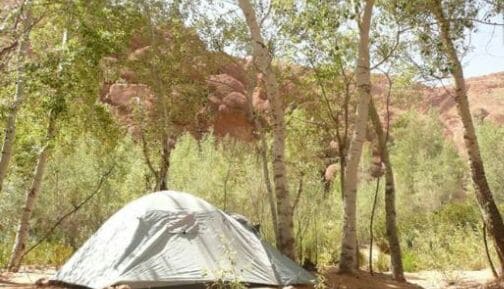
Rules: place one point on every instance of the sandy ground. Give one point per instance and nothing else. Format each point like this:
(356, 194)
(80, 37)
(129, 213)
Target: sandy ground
(27, 277)
(450, 280)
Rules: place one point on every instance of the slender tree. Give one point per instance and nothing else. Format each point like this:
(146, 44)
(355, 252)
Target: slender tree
(167, 65)
(441, 28)
(390, 211)
(31, 195)
(491, 214)
(258, 117)
(262, 60)
(348, 258)
(19, 95)
(20, 242)
(67, 72)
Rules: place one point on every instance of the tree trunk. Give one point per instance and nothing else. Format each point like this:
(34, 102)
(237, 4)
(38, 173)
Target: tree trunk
(164, 166)
(262, 60)
(390, 212)
(10, 127)
(491, 214)
(348, 258)
(263, 151)
(271, 193)
(371, 222)
(31, 195)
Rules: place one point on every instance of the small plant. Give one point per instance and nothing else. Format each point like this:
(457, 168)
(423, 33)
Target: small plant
(382, 262)
(227, 277)
(410, 261)
(223, 284)
(321, 282)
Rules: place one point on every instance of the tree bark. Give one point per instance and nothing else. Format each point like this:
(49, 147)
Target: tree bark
(161, 94)
(262, 61)
(164, 166)
(254, 116)
(371, 223)
(487, 252)
(19, 96)
(390, 212)
(348, 258)
(271, 193)
(491, 214)
(31, 195)
(19, 247)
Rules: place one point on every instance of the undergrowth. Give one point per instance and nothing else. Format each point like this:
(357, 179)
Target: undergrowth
(437, 230)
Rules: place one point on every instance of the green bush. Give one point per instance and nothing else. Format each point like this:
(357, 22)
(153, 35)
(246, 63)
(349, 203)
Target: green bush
(429, 172)
(410, 261)
(491, 140)
(436, 232)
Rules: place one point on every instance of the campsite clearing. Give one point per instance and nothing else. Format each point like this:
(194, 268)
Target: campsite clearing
(26, 278)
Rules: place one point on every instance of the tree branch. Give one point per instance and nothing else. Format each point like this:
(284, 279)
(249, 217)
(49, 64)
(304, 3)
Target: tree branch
(299, 192)
(145, 150)
(103, 178)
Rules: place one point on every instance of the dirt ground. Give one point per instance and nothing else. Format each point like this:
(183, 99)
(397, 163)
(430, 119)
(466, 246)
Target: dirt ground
(27, 277)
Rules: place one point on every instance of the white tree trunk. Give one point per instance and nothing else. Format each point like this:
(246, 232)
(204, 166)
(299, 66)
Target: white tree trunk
(19, 96)
(491, 214)
(262, 60)
(22, 233)
(31, 195)
(263, 151)
(348, 258)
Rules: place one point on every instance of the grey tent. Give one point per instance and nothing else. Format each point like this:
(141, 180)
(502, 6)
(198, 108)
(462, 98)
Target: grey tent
(169, 238)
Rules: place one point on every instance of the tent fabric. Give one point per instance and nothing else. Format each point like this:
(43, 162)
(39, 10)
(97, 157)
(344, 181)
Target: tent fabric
(173, 239)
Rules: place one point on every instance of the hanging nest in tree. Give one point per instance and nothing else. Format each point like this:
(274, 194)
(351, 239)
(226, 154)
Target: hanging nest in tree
(377, 168)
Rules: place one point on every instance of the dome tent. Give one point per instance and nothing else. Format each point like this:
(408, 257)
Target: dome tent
(169, 238)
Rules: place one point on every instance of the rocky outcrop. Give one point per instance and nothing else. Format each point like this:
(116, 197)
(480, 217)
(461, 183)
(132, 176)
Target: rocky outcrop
(486, 98)
(233, 95)
(229, 105)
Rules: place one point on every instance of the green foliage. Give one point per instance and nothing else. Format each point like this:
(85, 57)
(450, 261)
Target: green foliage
(410, 261)
(424, 37)
(428, 169)
(382, 263)
(222, 284)
(450, 248)
(304, 154)
(71, 176)
(491, 138)
(235, 179)
(48, 253)
(448, 239)
(438, 222)
(321, 282)
(229, 174)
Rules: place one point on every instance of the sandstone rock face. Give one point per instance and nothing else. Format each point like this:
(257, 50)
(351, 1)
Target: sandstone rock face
(486, 98)
(229, 104)
(228, 109)
(124, 99)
